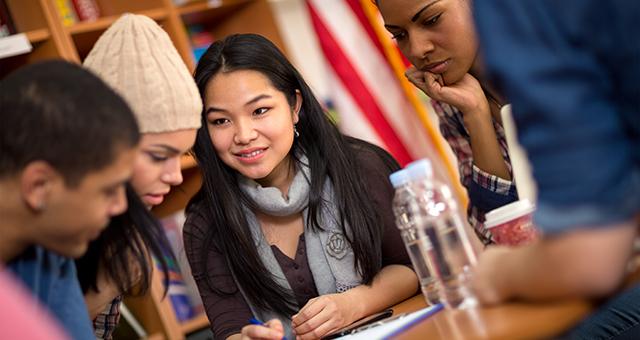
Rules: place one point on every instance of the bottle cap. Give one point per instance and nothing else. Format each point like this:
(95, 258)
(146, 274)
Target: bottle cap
(420, 169)
(399, 178)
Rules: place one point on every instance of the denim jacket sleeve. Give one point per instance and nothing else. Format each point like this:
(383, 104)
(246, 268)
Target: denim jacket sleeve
(573, 83)
(53, 280)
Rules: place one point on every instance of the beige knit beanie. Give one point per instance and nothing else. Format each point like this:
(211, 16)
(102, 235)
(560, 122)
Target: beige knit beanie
(137, 58)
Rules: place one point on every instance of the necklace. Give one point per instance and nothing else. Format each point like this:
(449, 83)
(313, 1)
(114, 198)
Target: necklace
(493, 99)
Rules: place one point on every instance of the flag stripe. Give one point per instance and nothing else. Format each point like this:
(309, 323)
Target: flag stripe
(364, 22)
(359, 91)
(351, 120)
(375, 72)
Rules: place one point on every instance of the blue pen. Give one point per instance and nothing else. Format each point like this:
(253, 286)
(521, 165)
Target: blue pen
(255, 321)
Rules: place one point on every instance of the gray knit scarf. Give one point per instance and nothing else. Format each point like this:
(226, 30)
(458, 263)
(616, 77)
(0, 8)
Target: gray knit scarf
(330, 256)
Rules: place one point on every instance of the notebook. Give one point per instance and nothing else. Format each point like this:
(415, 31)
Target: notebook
(395, 325)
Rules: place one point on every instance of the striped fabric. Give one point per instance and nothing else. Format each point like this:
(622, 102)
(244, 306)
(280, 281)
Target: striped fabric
(456, 134)
(105, 323)
(367, 93)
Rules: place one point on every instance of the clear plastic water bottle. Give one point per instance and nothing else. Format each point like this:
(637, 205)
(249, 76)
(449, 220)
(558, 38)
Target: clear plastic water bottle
(404, 203)
(439, 221)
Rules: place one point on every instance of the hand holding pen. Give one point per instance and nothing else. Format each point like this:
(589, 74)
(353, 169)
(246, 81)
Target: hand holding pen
(257, 329)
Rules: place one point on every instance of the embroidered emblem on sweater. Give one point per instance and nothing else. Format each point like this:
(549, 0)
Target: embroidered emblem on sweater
(337, 245)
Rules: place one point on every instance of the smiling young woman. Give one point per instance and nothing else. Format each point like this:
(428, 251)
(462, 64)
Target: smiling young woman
(251, 126)
(307, 207)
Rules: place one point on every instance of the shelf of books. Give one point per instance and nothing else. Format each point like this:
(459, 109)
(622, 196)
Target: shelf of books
(199, 322)
(221, 18)
(25, 34)
(155, 313)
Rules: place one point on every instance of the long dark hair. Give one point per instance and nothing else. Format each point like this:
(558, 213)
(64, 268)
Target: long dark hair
(124, 250)
(330, 154)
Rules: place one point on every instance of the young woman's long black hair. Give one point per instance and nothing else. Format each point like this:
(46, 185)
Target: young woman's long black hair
(124, 250)
(330, 154)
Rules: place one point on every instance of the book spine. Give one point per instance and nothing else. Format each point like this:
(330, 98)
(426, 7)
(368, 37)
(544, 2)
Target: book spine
(66, 12)
(87, 10)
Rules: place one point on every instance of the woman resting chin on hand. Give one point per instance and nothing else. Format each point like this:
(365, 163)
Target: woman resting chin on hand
(439, 39)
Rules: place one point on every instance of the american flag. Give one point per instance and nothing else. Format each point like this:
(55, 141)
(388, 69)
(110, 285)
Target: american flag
(368, 89)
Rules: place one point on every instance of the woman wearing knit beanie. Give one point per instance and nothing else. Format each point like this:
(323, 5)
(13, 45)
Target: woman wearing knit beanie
(137, 59)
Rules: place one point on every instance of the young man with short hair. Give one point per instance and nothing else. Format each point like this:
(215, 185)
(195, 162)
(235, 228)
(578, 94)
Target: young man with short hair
(67, 145)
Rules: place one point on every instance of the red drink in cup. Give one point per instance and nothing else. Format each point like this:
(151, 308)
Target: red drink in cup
(511, 225)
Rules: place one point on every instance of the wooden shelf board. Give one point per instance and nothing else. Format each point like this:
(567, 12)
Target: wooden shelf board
(104, 22)
(180, 196)
(199, 322)
(201, 6)
(38, 35)
(187, 162)
(156, 336)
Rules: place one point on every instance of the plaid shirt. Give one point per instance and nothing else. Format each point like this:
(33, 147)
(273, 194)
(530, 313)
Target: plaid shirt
(486, 191)
(105, 323)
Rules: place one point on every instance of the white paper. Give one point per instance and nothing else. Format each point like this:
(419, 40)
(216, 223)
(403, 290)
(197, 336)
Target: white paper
(14, 45)
(391, 328)
(214, 3)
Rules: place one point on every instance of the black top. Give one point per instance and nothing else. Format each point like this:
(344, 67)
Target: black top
(298, 272)
(229, 313)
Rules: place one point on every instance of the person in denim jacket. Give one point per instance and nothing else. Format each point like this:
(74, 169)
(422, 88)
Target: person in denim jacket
(67, 147)
(571, 70)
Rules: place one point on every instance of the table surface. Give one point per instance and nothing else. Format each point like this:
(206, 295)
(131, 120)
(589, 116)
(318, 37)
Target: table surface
(507, 321)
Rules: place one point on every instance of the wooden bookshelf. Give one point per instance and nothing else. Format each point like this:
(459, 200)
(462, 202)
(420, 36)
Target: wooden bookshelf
(203, 6)
(156, 336)
(199, 322)
(154, 311)
(40, 21)
(180, 195)
(104, 22)
(233, 16)
(39, 35)
(187, 162)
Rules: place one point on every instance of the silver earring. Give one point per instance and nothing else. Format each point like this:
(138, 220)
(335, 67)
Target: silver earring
(295, 131)
(39, 206)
